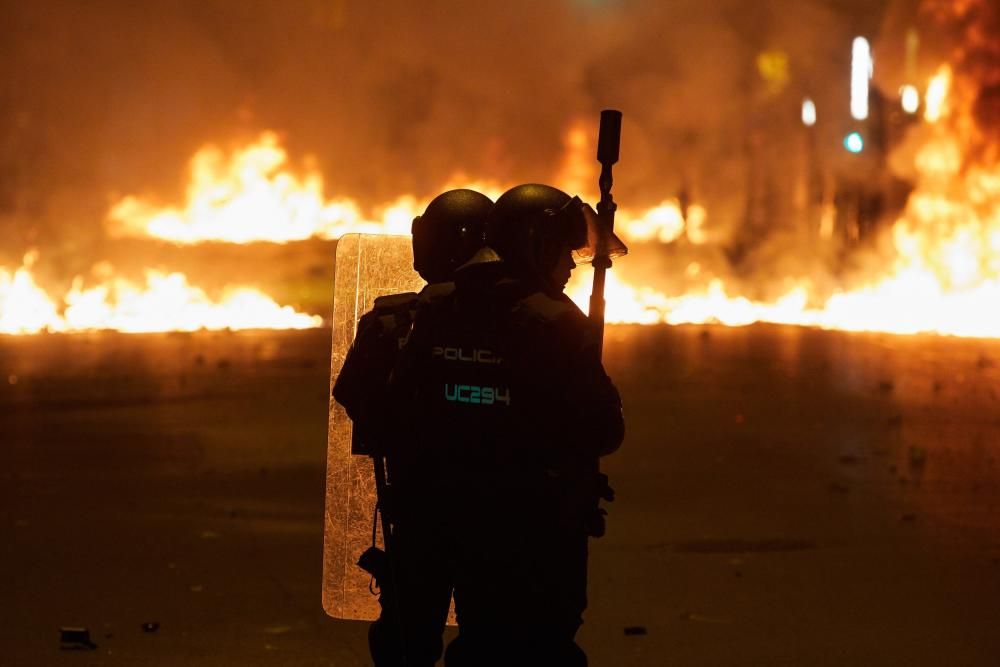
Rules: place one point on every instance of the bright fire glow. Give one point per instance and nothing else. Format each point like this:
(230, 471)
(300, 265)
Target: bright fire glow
(25, 307)
(166, 302)
(252, 196)
(945, 277)
(662, 223)
(937, 94)
(943, 274)
(909, 98)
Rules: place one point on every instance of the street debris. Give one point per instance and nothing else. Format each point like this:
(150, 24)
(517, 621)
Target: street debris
(278, 629)
(75, 639)
(699, 618)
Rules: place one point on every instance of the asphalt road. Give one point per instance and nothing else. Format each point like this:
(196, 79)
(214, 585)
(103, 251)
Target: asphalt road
(785, 497)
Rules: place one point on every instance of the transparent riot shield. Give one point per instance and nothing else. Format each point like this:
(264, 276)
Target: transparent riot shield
(367, 267)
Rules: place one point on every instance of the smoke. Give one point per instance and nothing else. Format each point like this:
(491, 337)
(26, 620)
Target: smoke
(105, 97)
(975, 29)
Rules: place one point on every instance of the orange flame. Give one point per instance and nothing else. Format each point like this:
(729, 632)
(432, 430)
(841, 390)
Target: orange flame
(937, 95)
(251, 195)
(165, 303)
(25, 307)
(943, 274)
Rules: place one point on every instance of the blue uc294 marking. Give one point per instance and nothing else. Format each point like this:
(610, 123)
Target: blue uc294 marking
(470, 393)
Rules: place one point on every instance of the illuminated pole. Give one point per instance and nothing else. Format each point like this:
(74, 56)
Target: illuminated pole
(809, 118)
(862, 69)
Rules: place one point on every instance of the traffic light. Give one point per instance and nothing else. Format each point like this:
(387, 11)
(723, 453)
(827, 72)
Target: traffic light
(854, 142)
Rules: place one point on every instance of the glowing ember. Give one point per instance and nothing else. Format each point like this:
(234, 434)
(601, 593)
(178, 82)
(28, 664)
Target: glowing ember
(165, 303)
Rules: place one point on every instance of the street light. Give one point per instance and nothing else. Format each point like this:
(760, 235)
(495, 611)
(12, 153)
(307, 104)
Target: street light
(862, 68)
(909, 98)
(808, 112)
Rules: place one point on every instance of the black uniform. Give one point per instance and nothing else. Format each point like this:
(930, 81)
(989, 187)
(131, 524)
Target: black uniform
(370, 359)
(421, 575)
(502, 406)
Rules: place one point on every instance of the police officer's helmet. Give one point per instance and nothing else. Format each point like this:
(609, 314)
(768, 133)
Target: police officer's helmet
(532, 225)
(448, 233)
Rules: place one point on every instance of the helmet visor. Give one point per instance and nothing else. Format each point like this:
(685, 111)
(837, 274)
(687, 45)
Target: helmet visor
(594, 238)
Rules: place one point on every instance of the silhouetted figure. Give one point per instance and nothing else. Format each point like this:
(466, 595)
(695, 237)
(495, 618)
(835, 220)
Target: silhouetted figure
(499, 406)
(415, 577)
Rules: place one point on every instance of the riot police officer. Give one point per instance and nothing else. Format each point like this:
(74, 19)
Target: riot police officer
(414, 580)
(503, 406)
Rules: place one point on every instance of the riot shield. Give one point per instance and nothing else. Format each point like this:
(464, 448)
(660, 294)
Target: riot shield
(367, 267)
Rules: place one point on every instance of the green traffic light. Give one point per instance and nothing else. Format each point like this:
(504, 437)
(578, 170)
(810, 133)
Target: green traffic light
(854, 142)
